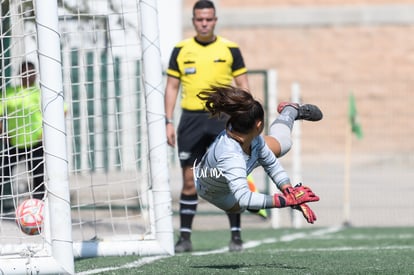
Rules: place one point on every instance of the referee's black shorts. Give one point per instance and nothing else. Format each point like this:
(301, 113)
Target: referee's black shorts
(196, 131)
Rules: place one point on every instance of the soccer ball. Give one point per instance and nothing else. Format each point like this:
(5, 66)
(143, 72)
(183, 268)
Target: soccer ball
(29, 216)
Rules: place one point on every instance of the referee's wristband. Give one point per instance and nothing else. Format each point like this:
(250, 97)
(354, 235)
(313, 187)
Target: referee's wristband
(168, 121)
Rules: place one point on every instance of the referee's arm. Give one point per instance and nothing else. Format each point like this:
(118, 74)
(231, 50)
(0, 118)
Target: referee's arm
(171, 93)
(242, 81)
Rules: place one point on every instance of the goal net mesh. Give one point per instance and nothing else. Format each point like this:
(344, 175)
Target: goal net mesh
(111, 192)
(101, 56)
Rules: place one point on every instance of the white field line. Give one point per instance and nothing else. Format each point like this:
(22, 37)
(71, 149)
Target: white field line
(345, 248)
(251, 244)
(134, 264)
(365, 237)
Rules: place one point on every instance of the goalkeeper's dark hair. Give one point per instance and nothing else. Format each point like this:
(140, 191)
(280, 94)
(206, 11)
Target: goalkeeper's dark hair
(203, 4)
(239, 104)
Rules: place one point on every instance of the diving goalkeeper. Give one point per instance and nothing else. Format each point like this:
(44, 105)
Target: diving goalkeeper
(221, 175)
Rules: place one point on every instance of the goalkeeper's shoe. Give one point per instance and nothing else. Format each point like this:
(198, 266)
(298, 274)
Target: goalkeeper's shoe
(183, 245)
(308, 112)
(236, 244)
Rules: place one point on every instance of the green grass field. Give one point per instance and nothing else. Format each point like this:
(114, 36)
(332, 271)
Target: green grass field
(283, 251)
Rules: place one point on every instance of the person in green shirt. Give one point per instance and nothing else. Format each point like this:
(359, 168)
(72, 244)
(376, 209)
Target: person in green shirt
(21, 127)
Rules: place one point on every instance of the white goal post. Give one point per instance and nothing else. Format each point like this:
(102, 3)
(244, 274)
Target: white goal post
(106, 175)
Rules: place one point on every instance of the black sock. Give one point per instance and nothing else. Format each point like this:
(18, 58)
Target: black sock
(188, 208)
(235, 225)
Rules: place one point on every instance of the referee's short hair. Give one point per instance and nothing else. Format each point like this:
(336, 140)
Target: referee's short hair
(203, 4)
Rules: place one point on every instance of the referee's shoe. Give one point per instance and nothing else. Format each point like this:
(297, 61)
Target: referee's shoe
(183, 245)
(308, 112)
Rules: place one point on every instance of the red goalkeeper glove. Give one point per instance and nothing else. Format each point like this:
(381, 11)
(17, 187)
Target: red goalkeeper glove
(307, 212)
(294, 196)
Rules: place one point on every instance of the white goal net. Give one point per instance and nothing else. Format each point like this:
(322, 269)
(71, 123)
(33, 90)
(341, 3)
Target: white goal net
(105, 178)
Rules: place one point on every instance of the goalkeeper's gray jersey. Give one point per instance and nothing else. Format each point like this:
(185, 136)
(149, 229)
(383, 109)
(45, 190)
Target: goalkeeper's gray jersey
(221, 175)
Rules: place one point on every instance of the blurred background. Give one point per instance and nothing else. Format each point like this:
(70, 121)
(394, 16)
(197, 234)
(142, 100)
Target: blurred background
(331, 49)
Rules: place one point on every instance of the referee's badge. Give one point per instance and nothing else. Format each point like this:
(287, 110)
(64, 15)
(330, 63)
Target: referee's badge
(190, 70)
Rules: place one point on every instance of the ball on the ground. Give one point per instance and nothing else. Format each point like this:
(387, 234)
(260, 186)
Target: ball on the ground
(29, 216)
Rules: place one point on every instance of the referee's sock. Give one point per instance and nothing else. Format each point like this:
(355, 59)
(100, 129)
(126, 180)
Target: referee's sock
(188, 208)
(235, 225)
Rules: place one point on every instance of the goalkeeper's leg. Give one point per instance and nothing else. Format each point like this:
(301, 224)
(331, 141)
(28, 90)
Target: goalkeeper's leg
(279, 139)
